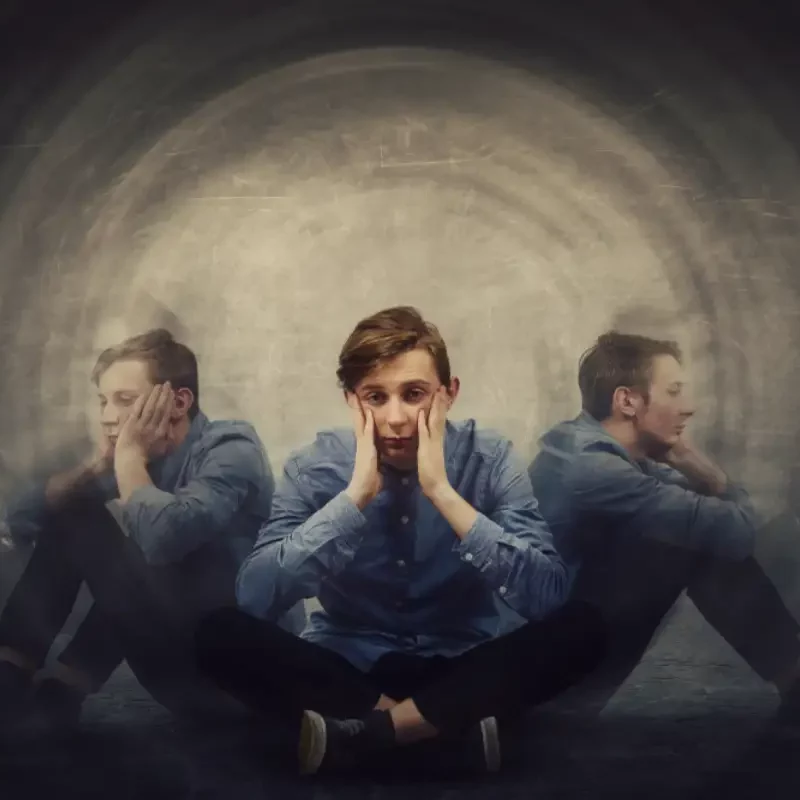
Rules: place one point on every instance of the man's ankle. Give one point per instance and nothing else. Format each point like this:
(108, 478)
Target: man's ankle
(11, 656)
(72, 677)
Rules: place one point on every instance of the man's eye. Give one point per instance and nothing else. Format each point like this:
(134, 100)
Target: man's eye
(372, 398)
(415, 395)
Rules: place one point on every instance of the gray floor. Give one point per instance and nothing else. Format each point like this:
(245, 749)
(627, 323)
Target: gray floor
(687, 719)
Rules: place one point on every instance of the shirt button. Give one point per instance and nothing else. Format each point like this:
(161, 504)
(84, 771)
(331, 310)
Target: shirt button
(502, 590)
(401, 564)
(404, 520)
(404, 481)
(468, 557)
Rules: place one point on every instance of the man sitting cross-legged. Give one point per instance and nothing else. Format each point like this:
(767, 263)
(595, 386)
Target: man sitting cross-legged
(442, 596)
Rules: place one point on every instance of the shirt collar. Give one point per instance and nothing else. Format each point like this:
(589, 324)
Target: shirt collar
(586, 420)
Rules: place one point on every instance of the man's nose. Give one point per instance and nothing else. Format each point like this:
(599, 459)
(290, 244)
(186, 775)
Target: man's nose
(109, 416)
(396, 412)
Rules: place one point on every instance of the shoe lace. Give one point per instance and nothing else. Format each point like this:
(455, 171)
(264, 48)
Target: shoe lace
(351, 726)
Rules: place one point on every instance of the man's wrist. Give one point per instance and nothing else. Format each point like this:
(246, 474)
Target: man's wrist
(440, 493)
(359, 498)
(128, 458)
(701, 471)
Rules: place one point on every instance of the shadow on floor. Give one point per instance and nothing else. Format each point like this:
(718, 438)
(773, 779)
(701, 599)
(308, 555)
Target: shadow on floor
(561, 756)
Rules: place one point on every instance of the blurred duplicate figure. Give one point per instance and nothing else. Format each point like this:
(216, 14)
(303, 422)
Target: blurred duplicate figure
(443, 599)
(192, 496)
(639, 514)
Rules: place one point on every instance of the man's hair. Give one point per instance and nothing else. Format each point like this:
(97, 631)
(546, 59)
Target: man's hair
(384, 336)
(619, 359)
(166, 359)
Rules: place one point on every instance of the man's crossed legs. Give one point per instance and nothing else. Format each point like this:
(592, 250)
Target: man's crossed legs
(345, 718)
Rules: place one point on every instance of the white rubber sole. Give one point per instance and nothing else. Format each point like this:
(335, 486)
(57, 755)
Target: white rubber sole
(491, 744)
(312, 743)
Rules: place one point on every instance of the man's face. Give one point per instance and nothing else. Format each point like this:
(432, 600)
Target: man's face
(661, 422)
(395, 393)
(119, 387)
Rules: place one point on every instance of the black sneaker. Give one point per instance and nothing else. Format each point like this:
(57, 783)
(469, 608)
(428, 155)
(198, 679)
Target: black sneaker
(334, 745)
(57, 706)
(15, 684)
(476, 751)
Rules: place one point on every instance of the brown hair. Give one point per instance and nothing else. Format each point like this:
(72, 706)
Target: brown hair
(619, 359)
(385, 335)
(167, 360)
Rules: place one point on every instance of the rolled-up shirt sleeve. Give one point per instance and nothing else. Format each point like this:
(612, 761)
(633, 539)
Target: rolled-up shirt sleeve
(512, 546)
(168, 526)
(615, 490)
(300, 546)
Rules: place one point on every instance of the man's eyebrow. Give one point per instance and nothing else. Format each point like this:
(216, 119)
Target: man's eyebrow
(371, 387)
(119, 392)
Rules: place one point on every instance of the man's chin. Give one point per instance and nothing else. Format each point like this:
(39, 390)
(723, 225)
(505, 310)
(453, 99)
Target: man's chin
(402, 460)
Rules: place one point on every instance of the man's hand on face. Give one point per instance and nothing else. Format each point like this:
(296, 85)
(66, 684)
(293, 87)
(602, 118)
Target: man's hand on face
(145, 433)
(430, 453)
(367, 480)
(679, 452)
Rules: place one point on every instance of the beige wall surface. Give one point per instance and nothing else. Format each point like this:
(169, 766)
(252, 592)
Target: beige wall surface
(517, 214)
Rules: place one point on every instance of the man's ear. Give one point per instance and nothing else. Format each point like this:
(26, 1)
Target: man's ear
(627, 401)
(452, 392)
(184, 398)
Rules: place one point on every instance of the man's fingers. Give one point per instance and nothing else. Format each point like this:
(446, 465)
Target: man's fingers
(151, 403)
(369, 425)
(165, 404)
(422, 425)
(440, 406)
(357, 413)
(138, 406)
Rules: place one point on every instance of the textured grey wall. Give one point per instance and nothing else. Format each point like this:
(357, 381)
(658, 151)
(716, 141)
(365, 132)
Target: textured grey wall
(226, 173)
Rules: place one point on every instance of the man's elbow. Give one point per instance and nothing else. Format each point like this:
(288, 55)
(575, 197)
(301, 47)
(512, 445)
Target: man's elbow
(549, 593)
(254, 590)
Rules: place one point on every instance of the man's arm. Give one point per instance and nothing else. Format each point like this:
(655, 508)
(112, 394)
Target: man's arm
(511, 547)
(66, 484)
(302, 545)
(167, 526)
(701, 473)
(55, 484)
(606, 485)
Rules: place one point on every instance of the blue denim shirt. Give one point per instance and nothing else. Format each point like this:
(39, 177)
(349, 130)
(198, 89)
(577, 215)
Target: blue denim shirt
(208, 500)
(599, 503)
(395, 577)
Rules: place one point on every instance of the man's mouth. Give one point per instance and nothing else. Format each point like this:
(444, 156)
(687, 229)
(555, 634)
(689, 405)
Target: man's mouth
(397, 441)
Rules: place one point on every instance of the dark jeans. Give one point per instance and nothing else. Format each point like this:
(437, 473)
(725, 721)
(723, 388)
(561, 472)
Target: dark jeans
(141, 613)
(736, 598)
(279, 675)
